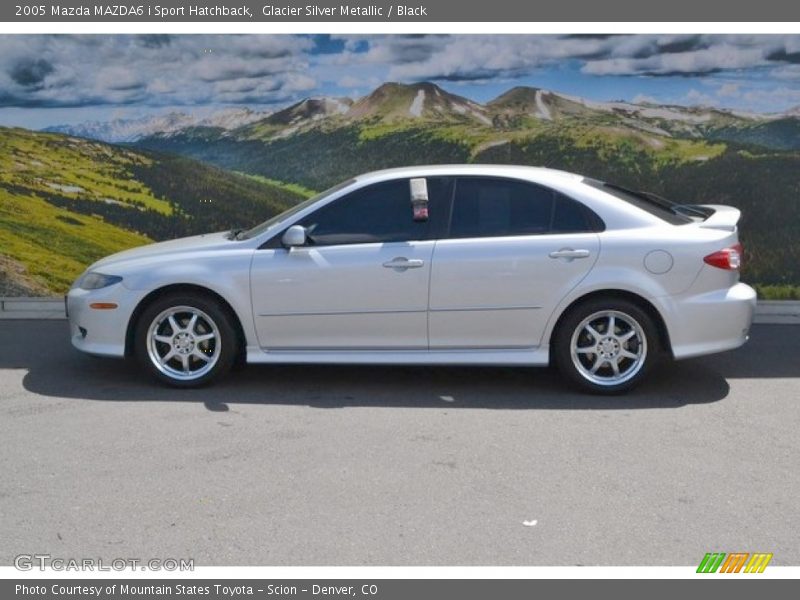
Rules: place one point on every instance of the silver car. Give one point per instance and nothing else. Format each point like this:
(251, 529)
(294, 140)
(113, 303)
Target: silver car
(438, 265)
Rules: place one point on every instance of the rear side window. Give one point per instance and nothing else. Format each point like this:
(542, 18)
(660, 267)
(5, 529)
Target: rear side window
(570, 216)
(496, 207)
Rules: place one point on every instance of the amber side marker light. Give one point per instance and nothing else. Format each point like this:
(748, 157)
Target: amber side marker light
(103, 305)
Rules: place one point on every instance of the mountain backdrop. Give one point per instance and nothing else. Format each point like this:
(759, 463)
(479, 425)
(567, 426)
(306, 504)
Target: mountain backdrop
(66, 202)
(690, 154)
(129, 130)
(175, 174)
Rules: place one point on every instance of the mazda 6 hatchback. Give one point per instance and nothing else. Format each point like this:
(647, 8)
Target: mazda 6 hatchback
(438, 265)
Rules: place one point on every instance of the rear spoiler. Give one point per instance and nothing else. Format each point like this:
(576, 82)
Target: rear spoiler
(723, 217)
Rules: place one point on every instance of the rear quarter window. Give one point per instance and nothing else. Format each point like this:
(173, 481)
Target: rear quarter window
(570, 216)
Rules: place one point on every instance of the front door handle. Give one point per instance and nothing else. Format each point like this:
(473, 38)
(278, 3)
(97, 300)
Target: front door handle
(569, 254)
(401, 263)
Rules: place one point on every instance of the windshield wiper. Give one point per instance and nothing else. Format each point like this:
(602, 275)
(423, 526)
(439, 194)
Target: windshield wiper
(234, 233)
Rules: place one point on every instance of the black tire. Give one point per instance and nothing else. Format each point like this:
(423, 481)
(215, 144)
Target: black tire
(213, 319)
(608, 349)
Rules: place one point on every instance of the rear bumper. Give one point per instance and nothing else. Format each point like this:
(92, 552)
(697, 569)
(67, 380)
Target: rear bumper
(710, 322)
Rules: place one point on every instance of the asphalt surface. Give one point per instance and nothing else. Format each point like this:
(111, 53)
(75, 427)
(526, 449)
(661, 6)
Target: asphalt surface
(397, 466)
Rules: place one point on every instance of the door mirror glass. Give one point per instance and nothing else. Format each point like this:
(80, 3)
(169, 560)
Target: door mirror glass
(294, 236)
(419, 198)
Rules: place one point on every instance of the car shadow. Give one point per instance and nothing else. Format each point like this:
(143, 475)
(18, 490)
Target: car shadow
(55, 369)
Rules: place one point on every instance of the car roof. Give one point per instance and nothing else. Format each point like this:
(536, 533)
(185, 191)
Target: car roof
(542, 175)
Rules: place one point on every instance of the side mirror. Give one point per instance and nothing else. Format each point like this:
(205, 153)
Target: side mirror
(294, 236)
(419, 198)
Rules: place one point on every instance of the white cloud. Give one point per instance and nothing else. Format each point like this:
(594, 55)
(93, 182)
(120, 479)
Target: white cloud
(787, 72)
(177, 70)
(696, 97)
(155, 70)
(117, 78)
(352, 82)
(729, 90)
(484, 57)
(774, 99)
(645, 99)
(706, 60)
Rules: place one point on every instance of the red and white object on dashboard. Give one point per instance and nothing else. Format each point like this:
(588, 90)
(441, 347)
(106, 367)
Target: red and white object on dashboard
(729, 258)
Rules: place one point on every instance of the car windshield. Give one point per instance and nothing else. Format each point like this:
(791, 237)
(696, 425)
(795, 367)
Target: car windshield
(672, 212)
(262, 227)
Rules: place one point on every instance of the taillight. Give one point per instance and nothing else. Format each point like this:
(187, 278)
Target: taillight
(729, 258)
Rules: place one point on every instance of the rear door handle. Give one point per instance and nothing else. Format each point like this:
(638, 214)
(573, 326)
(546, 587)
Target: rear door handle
(401, 263)
(569, 254)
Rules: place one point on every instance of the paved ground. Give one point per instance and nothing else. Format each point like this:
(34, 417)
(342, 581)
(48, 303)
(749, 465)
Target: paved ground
(408, 466)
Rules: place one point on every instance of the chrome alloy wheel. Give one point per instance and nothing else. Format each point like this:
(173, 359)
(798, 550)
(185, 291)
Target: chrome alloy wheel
(183, 343)
(608, 348)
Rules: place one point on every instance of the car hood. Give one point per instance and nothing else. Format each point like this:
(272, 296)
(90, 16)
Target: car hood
(208, 241)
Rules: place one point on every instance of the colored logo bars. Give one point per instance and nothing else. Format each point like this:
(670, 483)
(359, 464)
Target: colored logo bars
(734, 562)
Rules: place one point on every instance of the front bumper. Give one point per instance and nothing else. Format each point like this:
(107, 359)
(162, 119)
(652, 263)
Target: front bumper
(710, 322)
(101, 331)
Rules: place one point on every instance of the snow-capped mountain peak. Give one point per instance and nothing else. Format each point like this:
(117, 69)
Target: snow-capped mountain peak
(122, 130)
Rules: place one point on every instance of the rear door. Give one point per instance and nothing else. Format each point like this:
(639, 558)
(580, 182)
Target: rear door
(513, 251)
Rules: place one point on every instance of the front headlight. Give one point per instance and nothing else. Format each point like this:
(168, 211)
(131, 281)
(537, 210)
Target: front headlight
(95, 281)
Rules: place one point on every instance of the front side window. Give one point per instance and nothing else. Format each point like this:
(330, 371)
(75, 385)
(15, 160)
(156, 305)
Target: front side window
(378, 213)
(262, 227)
(495, 207)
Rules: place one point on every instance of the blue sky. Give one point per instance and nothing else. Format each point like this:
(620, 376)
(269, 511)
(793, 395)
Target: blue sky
(49, 80)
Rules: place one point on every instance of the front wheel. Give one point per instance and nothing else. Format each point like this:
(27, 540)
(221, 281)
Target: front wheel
(185, 341)
(606, 346)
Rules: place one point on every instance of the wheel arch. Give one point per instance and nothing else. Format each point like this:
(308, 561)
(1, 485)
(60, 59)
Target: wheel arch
(178, 288)
(640, 301)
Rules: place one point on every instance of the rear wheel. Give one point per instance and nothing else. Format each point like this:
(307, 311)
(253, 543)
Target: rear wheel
(606, 346)
(185, 341)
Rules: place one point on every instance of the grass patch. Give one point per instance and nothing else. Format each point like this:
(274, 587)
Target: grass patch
(295, 188)
(783, 291)
(66, 202)
(55, 245)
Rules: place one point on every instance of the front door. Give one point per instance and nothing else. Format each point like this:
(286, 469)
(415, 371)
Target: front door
(360, 283)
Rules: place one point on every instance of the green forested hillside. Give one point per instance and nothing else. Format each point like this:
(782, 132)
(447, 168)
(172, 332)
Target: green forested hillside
(65, 202)
(764, 183)
(691, 154)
